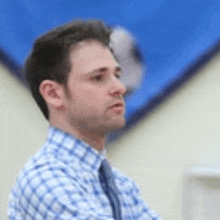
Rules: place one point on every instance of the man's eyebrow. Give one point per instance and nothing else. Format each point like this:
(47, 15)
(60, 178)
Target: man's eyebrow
(102, 69)
(118, 69)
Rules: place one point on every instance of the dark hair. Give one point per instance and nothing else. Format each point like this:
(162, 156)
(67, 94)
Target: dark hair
(49, 58)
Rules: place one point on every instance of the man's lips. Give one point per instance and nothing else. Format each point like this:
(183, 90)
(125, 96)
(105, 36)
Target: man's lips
(118, 107)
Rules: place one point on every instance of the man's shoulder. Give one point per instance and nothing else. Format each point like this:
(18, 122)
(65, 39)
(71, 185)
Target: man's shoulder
(42, 174)
(47, 177)
(41, 167)
(35, 163)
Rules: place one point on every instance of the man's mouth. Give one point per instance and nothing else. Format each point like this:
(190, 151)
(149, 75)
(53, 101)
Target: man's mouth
(118, 107)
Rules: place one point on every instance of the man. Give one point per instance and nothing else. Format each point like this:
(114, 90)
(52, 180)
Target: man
(74, 79)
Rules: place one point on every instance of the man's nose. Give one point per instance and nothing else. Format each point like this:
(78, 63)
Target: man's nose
(118, 88)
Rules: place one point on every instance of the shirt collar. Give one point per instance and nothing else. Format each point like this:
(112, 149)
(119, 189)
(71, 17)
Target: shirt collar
(75, 149)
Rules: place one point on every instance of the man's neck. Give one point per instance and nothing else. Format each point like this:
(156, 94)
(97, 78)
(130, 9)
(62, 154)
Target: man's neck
(94, 139)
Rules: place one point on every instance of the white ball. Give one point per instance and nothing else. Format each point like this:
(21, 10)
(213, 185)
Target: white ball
(129, 56)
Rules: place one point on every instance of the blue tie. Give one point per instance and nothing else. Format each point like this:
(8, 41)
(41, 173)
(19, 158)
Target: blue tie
(110, 189)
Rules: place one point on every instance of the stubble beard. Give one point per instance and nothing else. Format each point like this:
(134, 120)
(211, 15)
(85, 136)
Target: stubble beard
(97, 125)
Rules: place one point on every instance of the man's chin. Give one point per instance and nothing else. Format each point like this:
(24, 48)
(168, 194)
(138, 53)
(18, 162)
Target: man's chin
(118, 125)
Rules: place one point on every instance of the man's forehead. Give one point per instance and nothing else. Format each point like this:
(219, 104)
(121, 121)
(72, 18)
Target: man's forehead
(91, 55)
(86, 43)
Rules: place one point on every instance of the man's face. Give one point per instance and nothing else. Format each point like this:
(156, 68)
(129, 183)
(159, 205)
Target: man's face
(94, 86)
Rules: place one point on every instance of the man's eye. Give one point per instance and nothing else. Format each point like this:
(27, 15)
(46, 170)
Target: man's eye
(98, 78)
(118, 75)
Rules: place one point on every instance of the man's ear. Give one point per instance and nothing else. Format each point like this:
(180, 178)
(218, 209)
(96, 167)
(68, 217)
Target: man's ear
(53, 93)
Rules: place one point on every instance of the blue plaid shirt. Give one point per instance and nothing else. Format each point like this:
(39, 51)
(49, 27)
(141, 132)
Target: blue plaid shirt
(61, 181)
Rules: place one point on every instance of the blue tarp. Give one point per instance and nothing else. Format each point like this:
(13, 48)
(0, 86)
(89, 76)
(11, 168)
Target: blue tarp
(171, 34)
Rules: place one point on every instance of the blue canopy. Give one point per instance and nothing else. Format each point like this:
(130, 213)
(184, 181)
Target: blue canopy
(172, 35)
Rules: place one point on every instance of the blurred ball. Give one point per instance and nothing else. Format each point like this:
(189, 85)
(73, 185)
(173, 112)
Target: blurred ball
(129, 57)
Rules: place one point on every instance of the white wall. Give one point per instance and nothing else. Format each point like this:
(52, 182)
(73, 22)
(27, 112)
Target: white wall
(22, 131)
(155, 152)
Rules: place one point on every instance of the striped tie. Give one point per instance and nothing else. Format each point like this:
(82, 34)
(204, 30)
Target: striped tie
(110, 189)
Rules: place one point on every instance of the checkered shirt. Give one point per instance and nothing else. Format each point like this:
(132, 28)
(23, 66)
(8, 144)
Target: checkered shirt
(61, 181)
